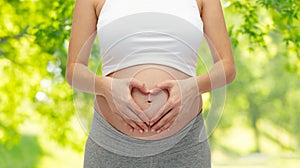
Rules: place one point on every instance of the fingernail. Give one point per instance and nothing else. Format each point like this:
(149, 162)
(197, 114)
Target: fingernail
(151, 91)
(152, 130)
(146, 130)
(158, 131)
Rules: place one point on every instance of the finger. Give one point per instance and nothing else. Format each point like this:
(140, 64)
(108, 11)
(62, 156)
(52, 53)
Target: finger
(138, 111)
(163, 122)
(166, 126)
(139, 85)
(137, 115)
(155, 91)
(129, 124)
(138, 120)
(165, 109)
(131, 120)
(134, 125)
(165, 84)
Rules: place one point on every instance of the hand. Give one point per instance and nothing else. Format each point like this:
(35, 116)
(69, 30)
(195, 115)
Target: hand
(182, 97)
(122, 104)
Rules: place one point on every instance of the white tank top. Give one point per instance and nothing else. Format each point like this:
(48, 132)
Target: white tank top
(165, 32)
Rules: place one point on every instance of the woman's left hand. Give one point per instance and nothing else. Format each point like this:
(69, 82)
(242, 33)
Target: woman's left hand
(182, 94)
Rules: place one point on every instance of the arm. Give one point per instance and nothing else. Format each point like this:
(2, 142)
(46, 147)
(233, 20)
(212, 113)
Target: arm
(223, 71)
(81, 40)
(182, 93)
(115, 91)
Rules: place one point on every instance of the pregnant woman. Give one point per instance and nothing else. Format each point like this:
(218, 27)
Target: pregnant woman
(148, 100)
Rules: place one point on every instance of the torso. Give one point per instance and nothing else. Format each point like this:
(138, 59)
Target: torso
(151, 74)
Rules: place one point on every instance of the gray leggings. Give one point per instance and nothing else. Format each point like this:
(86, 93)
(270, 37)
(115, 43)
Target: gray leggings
(190, 152)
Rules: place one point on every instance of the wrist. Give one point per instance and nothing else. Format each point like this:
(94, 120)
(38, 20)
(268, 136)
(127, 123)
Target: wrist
(103, 85)
(193, 83)
(203, 83)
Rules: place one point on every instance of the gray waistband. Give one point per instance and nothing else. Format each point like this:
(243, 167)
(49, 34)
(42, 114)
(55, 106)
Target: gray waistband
(112, 140)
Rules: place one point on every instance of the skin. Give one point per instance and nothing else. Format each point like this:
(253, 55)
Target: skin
(175, 96)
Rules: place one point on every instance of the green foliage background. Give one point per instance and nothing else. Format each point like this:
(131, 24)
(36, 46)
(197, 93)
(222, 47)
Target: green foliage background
(37, 106)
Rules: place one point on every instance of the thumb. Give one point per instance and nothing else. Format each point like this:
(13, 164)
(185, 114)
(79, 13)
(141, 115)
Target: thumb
(164, 85)
(139, 85)
(155, 90)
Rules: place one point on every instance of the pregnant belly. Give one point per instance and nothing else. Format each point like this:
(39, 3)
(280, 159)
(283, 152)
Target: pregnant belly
(149, 103)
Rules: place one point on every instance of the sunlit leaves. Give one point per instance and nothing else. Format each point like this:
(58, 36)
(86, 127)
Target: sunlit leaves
(266, 38)
(254, 26)
(32, 62)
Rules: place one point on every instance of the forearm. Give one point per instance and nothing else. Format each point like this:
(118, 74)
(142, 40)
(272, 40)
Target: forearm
(222, 73)
(80, 77)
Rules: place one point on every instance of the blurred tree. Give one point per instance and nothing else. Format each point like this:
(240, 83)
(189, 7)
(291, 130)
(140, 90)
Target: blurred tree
(257, 20)
(265, 35)
(33, 56)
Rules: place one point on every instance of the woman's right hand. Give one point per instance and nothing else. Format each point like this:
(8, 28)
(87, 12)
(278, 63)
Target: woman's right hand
(118, 95)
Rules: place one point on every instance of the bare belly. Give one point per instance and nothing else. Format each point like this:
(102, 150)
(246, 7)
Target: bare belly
(150, 74)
